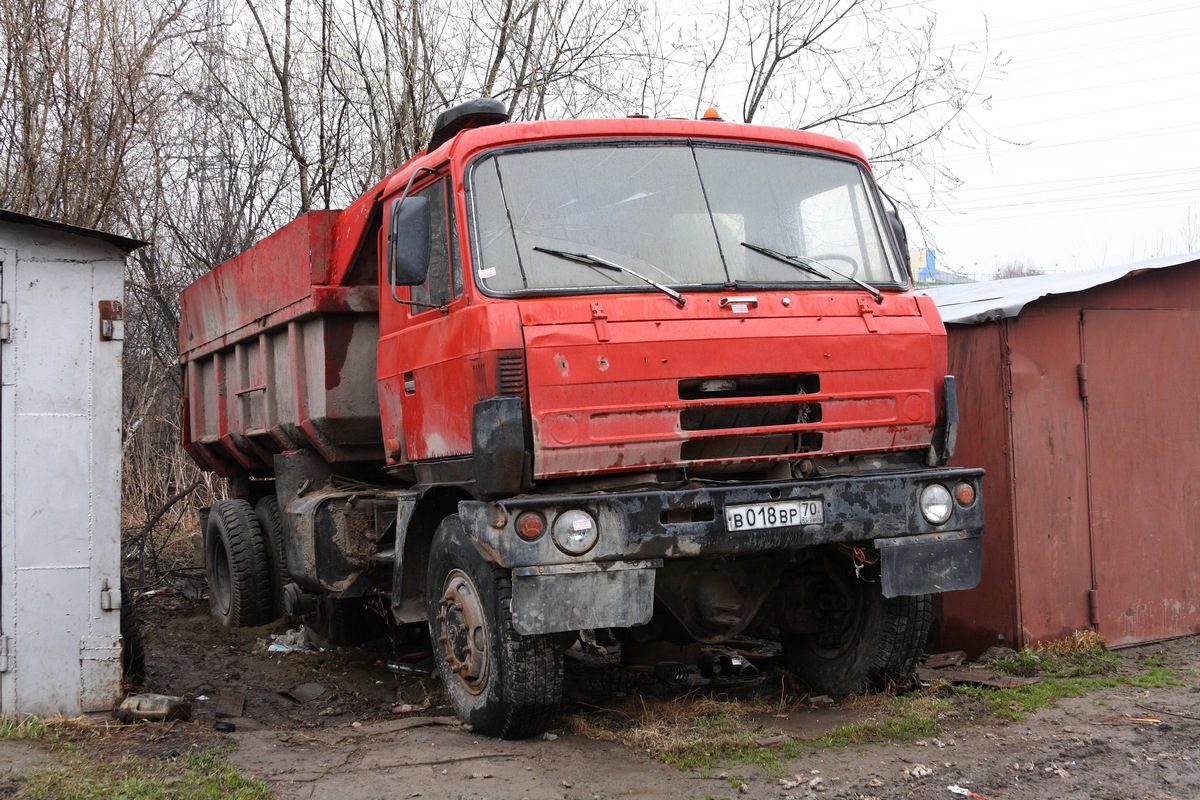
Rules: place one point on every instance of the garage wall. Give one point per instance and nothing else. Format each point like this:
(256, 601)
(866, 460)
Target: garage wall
(1091, 508)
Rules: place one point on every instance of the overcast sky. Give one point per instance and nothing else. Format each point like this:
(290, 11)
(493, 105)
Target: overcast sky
(1104, 98)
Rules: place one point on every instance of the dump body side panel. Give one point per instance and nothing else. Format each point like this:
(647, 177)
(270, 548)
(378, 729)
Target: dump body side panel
(275, 359)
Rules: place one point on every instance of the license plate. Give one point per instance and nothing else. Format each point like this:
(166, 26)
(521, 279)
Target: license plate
(782, 514)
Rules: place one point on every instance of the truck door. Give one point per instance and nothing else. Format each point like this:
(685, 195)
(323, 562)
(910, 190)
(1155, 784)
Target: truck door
(433, 347)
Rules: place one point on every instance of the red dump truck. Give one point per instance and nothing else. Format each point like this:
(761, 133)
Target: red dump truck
(664, 379)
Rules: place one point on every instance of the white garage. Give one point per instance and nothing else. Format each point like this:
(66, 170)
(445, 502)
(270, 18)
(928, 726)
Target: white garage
(61, 290)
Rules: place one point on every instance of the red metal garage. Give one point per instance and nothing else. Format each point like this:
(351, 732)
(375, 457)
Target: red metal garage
(1078, 394)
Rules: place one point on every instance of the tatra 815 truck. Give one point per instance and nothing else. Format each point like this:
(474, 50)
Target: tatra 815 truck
(664, 379)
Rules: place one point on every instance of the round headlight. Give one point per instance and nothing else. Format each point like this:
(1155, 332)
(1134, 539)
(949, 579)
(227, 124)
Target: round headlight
(575, 532)
(936, 503)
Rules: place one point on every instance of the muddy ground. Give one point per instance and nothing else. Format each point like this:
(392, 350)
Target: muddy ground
(350, 743)
(374, 734)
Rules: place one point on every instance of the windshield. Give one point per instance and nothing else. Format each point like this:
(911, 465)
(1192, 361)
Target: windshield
(679, 214)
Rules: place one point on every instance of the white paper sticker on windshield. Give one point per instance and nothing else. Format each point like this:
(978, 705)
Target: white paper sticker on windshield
(489, 272)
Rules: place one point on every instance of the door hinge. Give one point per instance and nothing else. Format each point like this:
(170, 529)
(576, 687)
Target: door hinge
(868, 314)
(1081, 375)
(1093, 608)
(112, 321)
(5, 653)
(600, 320)
(110, 599)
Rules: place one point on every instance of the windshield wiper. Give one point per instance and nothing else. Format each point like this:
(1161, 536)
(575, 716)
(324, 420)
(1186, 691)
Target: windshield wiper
(596, 262)
(806, 264)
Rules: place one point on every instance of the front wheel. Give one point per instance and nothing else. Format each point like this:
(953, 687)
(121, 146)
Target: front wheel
(856, 638)
(499, 682)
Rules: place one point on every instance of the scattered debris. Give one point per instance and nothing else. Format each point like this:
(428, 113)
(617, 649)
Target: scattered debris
(303, 693)
(978, 674)
(965, 792)
(400, 668)
(1144, 720)
(294, 641)
(153, 708)
(916, 772)
(942, 660)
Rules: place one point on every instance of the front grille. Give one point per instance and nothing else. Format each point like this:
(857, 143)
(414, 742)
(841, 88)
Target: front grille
(749, 386)
(740, 447)
(715, 418)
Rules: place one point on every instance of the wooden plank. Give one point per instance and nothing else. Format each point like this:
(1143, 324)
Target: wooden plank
(981, 677)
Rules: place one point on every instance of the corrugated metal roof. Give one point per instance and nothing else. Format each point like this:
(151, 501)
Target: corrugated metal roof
(970, 303)
(123, 242)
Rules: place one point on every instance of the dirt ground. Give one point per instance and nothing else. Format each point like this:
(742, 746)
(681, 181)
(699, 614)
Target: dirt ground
(374, 734)
(349, 743)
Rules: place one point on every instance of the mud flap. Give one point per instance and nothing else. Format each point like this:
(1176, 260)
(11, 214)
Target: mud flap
(573, 597)
(931, 562)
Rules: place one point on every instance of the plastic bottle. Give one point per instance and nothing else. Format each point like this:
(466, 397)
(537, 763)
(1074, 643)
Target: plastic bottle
(154, 708)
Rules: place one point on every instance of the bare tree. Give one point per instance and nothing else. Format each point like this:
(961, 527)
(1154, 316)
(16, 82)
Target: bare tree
(202, 125)
(865, 70)
(1017, 269)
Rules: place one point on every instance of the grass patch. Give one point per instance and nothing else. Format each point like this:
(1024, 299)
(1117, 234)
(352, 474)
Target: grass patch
(1153, 660)
(1080, 655)
(1018, 702)
(903, 719)
(92, 762)
(192, 776)
(689, 732)
(26, 729)
(703, 731)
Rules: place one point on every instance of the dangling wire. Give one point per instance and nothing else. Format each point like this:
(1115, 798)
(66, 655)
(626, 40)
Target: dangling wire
(861, 559)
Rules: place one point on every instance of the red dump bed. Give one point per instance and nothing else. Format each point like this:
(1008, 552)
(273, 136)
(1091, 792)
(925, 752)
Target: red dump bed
(278, 348)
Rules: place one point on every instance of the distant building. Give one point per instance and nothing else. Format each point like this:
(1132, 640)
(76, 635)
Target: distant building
(924, 263)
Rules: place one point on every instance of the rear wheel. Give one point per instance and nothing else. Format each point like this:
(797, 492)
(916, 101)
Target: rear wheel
(501, 683)
(237, 566)
(856, 639)
(266, 511)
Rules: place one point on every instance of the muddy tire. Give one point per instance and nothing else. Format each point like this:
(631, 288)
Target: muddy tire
(499, 682)
(266, 511)
(237, 565)
(868, 642)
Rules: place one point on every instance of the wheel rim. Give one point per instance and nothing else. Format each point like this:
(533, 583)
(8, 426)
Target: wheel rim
(221, 589)
(463, 632)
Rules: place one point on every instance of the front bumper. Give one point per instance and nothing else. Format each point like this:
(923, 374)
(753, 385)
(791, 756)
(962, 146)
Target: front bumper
(639, 529)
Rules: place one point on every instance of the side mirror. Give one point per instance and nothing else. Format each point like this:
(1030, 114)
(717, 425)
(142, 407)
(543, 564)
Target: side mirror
(408, 241)
(899, 234)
